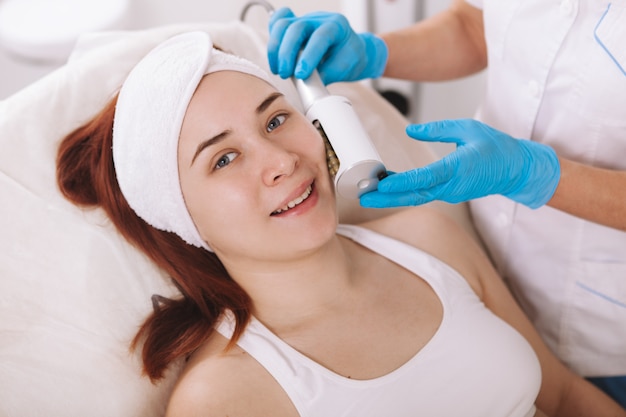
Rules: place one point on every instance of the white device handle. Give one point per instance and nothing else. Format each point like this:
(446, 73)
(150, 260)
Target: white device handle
(360, 165)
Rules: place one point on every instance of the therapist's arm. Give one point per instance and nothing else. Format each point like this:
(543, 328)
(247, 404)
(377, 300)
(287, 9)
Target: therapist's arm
(591, 193)
(448, 45)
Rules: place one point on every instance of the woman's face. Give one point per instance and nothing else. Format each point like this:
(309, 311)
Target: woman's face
(253, 171)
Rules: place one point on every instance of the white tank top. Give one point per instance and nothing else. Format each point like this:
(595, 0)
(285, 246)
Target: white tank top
(474, 365)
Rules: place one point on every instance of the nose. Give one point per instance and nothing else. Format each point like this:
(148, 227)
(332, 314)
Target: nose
(277, 162)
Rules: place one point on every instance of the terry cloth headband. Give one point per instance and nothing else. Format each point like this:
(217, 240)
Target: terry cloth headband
(148, 118)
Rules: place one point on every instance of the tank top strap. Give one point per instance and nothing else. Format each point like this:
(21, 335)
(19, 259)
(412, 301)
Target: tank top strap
(300, 377)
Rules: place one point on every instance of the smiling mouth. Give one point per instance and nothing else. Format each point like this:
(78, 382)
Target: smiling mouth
(296, 201)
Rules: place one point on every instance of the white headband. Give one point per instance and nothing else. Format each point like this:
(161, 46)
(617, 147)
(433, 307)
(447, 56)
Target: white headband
(148, 118)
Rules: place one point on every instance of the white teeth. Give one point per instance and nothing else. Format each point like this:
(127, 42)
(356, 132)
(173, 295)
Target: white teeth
(296, 201)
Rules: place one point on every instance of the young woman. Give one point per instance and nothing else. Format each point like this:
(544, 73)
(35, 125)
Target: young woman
(207, 168)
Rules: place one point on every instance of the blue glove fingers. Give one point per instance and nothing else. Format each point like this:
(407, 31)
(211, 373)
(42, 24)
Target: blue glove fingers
(295, 39)
(281, 13)
(278, 24)
(448, 131)
(437, 173)
(321, 41)
(377, 199)
(486, 162)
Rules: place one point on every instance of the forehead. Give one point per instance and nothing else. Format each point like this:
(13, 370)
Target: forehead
(223, 95)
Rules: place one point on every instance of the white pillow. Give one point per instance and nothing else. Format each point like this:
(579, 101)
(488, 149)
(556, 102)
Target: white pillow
(72, 291)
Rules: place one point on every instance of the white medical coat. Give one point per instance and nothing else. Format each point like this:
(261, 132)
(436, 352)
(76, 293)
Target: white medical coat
(557, 75)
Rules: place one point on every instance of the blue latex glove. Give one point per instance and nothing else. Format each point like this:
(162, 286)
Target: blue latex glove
(328, 43)
(486, 161)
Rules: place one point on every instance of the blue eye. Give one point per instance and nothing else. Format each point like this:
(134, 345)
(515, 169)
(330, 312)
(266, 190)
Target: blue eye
(276, 122)
(225, 160)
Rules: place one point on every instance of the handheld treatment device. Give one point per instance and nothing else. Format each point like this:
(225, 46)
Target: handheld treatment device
(352, 158)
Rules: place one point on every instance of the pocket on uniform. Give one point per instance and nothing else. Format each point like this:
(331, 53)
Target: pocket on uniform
(596, 335)
(610, 34)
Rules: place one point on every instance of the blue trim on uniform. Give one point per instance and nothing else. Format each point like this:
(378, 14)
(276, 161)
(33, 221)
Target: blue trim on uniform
(614, 386)
(601, 295)
(595, 35)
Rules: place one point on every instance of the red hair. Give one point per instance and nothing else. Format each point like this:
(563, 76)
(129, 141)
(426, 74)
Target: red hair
(176, 328)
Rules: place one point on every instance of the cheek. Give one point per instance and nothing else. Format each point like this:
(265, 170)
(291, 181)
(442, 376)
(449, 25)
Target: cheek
(216, 208)
(201, 202)
(313, 146)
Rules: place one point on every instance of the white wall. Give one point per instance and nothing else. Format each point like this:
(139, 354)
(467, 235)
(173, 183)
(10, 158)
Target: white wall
(451, 99)
(437, 100)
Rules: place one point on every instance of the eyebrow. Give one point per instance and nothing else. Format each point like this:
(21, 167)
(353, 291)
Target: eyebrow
(267, 102)
(221, 136)
(205, 144)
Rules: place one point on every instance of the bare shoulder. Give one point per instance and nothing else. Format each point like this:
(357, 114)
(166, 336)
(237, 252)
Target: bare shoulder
(438, 234)
(404, 223)
(218, 383)
(423, 227)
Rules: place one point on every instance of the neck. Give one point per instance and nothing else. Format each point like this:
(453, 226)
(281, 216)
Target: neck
(288, 293)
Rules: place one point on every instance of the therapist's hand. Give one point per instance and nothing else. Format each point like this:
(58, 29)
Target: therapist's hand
(486, 161)
(328, 43)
